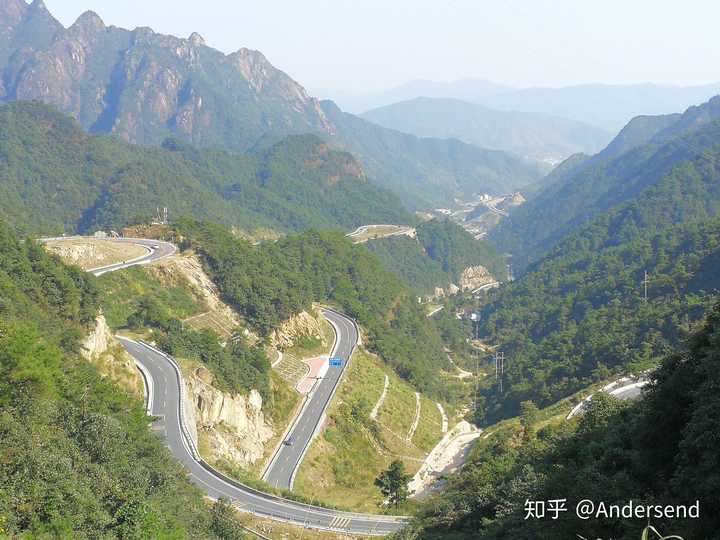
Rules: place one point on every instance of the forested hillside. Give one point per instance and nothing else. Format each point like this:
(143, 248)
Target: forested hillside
(78, 460)
(662, 450)
(55, 178)
(426, 172)
(270, 282)
(456, 249)
(437, 257)
(580, 311)
(616, 175)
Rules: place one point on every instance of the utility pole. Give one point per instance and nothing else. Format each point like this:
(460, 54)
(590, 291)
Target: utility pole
(477, 377)
(502, 369)
(645, 283)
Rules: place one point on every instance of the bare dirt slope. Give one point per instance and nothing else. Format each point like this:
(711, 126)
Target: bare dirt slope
(90, 253)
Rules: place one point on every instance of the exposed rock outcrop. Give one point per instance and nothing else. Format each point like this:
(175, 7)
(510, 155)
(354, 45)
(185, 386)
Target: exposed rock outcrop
(439, 292)
(102, 350)
(474, 277)
(470, 279)
(301, 325)
(189, 268)
(233, 426)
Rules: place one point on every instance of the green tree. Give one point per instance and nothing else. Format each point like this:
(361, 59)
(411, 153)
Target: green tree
(528, 416)
(393, 483)
(224, 522)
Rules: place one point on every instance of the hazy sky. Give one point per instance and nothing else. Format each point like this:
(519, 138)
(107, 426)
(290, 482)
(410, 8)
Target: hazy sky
(365, 45)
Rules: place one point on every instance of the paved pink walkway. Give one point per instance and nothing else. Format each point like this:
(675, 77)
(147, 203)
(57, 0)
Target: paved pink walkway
(318, 368)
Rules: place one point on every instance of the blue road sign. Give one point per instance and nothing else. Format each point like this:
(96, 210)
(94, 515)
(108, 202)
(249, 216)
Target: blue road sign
(336, 362)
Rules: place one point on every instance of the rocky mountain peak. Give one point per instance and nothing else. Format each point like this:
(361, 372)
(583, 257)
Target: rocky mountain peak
(89, 22)
(38, 5)
(142, 34)
(196, 39)
(253, 66)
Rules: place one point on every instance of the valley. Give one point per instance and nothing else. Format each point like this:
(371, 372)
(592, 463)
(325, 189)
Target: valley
(195, 428)
(478, 215)
(457, 309)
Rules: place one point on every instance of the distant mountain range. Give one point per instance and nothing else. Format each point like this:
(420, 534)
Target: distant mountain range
(427, 171)
(144, 87)
(678, 151)
(530, 135)
(608, 107)
(472, 90)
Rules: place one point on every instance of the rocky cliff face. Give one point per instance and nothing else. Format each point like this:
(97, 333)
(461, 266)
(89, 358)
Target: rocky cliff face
(24, 28)
(470, 279)
(187, 269)
(233, 427)
(301, 325)
(145, 86)
(102, 349)
(474, 277)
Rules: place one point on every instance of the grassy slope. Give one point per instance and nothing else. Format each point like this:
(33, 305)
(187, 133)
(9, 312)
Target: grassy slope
(123, 291)
(345, 459)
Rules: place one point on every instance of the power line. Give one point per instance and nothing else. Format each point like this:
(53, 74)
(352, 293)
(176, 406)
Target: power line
(500, 368)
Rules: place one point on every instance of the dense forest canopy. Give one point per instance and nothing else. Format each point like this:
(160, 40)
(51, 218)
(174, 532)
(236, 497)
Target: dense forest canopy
(631, 164)
(579, 313)
(437, 257)
(659, 451)
(55, 178)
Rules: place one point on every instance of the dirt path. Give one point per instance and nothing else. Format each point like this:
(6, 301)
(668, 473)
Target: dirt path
(434, 311)
(444, 418)
(447, 457)
(381, 400)
(416, 420)
(462, 374)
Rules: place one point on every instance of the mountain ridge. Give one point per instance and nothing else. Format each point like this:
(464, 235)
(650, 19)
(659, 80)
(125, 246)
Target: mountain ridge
(144, 87)
(57, 178)
(601, 182)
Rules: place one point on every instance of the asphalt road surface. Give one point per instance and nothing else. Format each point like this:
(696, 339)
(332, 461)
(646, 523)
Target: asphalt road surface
(281, 471)
(165, 405)
(630, 392)
(156, 250)
(625, 391)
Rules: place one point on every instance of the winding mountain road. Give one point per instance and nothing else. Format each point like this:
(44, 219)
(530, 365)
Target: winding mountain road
(164, 401)
(624, 389)
(163, 377)
(283, 467)
(156, 250)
